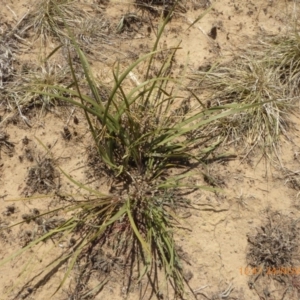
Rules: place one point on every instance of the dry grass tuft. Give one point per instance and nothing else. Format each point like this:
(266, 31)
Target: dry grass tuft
(35, 79)
(6, 63)
(9, 46)
(49, 17)
(284, 53)
(249, 80)
(273, 255)
(59, 18)
(266, 77)
(275, 244)
(95, 36)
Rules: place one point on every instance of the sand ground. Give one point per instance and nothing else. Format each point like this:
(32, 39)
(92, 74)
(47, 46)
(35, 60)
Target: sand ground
(216, 244)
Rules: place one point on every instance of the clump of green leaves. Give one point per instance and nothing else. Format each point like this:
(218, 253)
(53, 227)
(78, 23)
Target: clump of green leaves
(138, 142)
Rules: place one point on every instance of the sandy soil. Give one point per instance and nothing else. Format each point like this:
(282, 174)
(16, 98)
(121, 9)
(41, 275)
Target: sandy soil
(216, 244)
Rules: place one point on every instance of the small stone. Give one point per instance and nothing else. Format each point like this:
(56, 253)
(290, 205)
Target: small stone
(188, 275)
